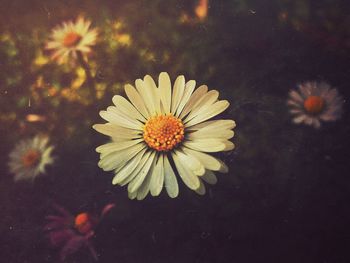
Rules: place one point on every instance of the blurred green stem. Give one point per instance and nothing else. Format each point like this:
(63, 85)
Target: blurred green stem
(90, 80)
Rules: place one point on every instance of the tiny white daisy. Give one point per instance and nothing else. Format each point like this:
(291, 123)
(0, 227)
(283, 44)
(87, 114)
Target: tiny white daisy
(164, 131)
(70, 38)
(29, 158)
(315, 102)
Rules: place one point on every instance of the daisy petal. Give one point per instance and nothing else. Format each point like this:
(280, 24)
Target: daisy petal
(123, 181)
(114, 117)
(214, 110)
(178, 91)
(189, 87)
(299, 119)
(296, 96)
(157, 177)
(137, 181)
(197, 94)
(154, 92)
(222, 134)
(203, 104)
(208, 161)
(187, 176)
(206, 145)
(136, 100)
(145, 186)
(116, 146)
(132, 195)
(214, 125)
(165, 91)
(127, 108)
(170, 180)
(209, 177)
(146, 96)
(191, 162)
(201, 189)
(116, 132)
(123, 173)
(114, 160)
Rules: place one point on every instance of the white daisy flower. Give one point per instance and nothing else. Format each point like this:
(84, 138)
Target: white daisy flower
(315, 102)
(30, 157)
(70, 38)
(164, 131)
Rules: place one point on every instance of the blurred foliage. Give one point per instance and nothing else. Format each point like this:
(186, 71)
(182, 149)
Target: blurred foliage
(181, 37)
(229, 45)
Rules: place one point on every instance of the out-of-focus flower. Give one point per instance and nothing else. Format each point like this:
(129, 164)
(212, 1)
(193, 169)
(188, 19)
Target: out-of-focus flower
(70, 38)
(315, 102)
(30, 157)
(283, 16)
(201, 9)
(52, 92)
(163, 130)
(71, 233)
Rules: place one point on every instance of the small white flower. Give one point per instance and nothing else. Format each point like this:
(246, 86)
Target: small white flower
(164, 131)
(70, 38)
(315, 102)
(29, 158)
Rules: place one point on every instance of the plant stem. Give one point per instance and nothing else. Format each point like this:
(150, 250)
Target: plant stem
(90, 80)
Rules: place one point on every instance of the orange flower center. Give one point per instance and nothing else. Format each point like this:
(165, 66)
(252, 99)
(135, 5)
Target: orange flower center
(163, 133)
(83, 223)
(314, 104)
(31, 158)
(71, 39)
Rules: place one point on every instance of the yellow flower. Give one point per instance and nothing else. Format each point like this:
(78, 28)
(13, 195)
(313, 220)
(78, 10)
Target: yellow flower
(315, 102)
(201, 9)
(30, 157)
(69, 38)
(164, 131)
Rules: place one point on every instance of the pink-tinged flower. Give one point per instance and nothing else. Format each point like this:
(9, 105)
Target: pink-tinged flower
(315, 102)
(71, 233)
(70, 38)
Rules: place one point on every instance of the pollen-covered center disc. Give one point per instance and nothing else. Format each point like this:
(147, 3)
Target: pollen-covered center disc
(314, 104)
(163, 132)
(71, 39)
(31, 158)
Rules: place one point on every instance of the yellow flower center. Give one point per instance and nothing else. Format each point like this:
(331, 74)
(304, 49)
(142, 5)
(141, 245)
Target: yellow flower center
(71, 39)
(163, 132)
(314, 104)
(83, 223)
(31, 158)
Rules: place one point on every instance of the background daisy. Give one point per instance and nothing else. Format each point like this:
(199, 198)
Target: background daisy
(163, 131)
(71, 39)
(30, 157)
(315, 102)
